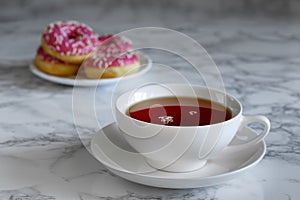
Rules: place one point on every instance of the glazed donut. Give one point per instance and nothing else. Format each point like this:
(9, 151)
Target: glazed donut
(53, 66)
(69, 41)
(96, 66)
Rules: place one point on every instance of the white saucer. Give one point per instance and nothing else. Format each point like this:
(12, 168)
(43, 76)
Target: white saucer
(110, 148)
(82, 80)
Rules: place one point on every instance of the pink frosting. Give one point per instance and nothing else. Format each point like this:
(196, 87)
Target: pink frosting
(102, 38)
(46, 57)
(113, 44)
(113, 51)
(70, 38)
(99, 61)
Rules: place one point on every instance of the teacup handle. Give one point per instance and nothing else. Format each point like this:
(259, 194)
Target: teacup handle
(247, 120)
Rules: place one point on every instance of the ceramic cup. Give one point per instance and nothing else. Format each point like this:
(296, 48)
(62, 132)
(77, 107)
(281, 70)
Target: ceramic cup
(183, 148)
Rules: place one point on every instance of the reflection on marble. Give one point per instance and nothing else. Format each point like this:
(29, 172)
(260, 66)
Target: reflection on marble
(42, 157)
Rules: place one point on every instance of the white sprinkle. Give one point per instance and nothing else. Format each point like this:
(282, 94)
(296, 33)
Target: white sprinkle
(74, 51)
(166, 119)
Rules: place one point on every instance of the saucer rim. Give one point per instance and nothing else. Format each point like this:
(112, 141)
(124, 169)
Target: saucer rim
(234, 172)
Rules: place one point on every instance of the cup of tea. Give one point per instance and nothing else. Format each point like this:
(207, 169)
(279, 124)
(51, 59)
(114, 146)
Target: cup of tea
(178, 127)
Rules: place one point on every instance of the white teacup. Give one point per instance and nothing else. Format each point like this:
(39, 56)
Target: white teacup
(183, 148)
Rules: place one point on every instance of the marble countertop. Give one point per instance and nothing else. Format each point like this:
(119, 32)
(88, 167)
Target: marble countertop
(42, 157)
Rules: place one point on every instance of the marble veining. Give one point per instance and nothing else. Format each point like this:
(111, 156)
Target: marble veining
(41, 155)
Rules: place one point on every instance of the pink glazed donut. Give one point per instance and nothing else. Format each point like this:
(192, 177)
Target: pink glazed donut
(112, 59)
(69, 41)
(53, 66)
(110, 66)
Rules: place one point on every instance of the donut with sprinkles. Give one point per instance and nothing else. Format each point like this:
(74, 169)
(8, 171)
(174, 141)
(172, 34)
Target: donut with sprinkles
(112, 58)
(69, 41)
(54, 66)
(110, 65)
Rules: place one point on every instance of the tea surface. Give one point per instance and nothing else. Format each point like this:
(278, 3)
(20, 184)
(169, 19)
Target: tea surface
(180, 111)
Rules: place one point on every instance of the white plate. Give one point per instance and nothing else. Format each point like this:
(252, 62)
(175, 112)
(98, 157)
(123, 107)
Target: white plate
(145, 61)
(110, 148)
